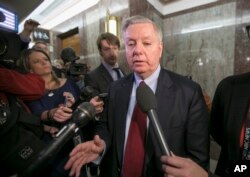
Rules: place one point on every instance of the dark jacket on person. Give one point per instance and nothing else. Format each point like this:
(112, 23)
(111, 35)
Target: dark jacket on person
(229, 108)
(20, 131)
(182, 114)
(99, 79)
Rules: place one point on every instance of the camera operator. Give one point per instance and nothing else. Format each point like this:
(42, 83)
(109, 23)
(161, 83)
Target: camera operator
(73, 70)
(20, 131)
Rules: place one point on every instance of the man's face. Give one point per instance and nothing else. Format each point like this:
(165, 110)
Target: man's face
(143, 48)
(109, 52)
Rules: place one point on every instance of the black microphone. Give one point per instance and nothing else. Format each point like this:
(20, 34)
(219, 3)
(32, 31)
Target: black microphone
(147, 102)
(83, 114)
(80, 117)
(86, 95)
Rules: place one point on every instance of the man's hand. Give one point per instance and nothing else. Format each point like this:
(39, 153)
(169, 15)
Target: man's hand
(61, 114)
(181, 167)
(29, 27)
(97, 103)
(84, 153)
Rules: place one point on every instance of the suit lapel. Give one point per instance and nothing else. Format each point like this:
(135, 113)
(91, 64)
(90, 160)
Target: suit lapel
(165, 98)
(122, 100)
(105, 74)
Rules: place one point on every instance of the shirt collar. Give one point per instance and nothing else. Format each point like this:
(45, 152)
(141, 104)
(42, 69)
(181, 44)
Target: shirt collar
(151, 81)
(108, 67)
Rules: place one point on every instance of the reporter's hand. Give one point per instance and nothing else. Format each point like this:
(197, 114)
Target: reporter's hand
(70, 100)
(97, 103)
(84, 153)
(29, 26)
(50, 129)
(181, 167)
(61, 114)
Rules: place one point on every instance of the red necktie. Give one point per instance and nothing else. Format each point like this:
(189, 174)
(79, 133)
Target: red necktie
(135, 152)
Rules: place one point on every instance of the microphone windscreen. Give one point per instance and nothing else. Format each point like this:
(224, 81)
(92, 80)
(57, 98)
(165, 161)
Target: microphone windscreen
(88, 108)
(145, 98)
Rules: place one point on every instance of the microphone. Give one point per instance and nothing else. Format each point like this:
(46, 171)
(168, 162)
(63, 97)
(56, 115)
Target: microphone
(80, 117)
(147, 102)
(83, 114)
(87, 93)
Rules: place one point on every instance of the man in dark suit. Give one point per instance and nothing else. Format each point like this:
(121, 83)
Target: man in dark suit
(101, 77)
(181, 110)
(228, 119)
(108, 71)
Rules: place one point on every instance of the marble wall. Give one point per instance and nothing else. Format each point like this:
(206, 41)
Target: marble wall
(242, 40)
(91, 23)
(201, 44)
(208, 43)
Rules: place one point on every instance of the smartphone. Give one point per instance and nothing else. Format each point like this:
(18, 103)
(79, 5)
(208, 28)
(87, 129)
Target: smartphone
(65, 102)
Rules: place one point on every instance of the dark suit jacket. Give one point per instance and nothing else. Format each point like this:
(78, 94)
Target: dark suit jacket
(182, 114)
(99, 79)
(229, 107)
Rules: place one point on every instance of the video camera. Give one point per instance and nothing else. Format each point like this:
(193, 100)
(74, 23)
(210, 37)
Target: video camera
(76, 69)
(68, 55)
(10, 44)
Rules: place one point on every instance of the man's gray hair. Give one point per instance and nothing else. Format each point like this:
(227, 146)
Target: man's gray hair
(140, 19)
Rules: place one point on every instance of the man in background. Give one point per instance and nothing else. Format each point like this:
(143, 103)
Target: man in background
(108, 71)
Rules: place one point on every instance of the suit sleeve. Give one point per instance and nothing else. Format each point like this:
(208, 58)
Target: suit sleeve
(198, 130)
(25, 86)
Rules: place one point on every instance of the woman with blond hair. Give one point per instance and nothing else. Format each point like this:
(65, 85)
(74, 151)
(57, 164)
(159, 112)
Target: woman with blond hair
(54, 108)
